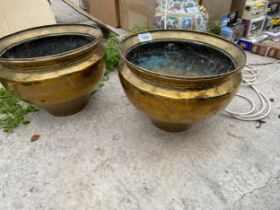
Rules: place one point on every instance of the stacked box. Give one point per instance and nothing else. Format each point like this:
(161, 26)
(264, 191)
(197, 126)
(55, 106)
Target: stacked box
(273, 15)
(263, 47)
(231, 29)
(274, 51)
(273, 7)
(227, 33)
(255, 9)
(252, 26)
(247, 43)
(250, 9)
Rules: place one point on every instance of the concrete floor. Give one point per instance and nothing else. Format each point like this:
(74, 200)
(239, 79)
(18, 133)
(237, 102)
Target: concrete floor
(109, 156)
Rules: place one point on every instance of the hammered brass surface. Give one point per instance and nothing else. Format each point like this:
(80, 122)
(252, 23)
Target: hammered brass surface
(174, 103)
(62, 83)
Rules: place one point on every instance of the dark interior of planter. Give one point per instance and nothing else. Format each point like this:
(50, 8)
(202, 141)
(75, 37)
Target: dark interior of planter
(46, 46)
(181, 58)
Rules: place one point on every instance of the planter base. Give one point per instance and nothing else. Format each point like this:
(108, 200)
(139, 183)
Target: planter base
(171, 127)
(68, 108)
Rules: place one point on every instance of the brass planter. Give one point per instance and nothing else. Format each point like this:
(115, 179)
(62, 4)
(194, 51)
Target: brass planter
(54, 67)
(172, 100)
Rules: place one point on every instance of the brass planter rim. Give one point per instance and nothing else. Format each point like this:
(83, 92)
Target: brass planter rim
(95, 42)
(152, 74)
(38, 68)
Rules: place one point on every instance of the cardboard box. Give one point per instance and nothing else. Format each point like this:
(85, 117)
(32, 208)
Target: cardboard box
(232, 28)
(247, 43)
(272, 21)
(105, 10)
(262, 48)
(253, 25)
(17, 15)
(135, 12)
(274, 52)
(273, 7)
(217, 8)
(249, 9)
(232, 33)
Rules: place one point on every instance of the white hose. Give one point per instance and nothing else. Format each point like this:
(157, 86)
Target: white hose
(250, 76)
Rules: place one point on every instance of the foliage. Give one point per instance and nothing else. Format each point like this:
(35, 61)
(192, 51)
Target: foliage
(139, 29)
(215, 29)
(113, 57)
(112, 49)
(112, 53)
(13, 112)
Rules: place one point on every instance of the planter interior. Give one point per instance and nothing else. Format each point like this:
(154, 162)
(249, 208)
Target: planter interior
(46, 46)
(181, 58)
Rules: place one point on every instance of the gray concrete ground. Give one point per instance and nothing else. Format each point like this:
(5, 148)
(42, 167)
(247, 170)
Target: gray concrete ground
(109, 156)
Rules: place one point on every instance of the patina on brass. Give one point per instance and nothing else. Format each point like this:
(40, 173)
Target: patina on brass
(174, 103)
(62, 83)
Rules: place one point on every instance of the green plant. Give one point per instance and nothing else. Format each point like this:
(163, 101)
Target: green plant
(13, 112)
(139, 29)
(113, 57)
(112, 54)
(215, 29)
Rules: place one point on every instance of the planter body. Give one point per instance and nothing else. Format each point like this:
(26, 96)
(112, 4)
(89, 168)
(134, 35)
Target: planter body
(62, 83)
(173, 103)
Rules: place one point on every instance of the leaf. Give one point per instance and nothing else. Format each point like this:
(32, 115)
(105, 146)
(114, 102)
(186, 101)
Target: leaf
(35, 138)
(215, 29)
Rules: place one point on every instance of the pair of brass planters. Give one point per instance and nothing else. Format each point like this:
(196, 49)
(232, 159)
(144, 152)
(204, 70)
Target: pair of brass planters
(63, 82)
